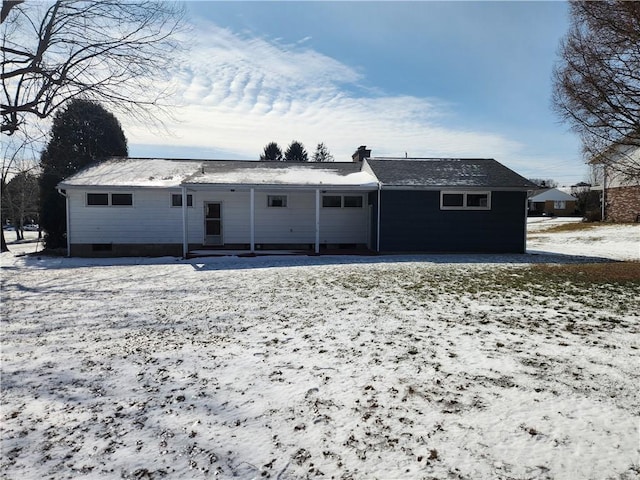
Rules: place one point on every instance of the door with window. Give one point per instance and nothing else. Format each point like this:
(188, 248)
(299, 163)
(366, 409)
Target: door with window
(213, 223)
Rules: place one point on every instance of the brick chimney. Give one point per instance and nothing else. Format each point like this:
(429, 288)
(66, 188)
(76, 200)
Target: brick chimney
(361, 153)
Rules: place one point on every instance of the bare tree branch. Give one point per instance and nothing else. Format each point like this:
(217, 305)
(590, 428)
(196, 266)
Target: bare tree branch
(110, 51)
(597, 79)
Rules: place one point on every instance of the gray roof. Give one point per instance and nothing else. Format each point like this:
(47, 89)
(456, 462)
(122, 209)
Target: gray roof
(447, 172)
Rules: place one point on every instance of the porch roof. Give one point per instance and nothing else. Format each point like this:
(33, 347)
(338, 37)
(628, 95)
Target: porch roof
(282, 175)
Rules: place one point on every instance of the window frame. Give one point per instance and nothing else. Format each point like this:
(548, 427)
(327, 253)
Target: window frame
(559, 204)
(343, 201)
(179, 195)
(109, 200)
(121, 195)
(333, 198)
(465, 196)
(285, 202)
(89, 204)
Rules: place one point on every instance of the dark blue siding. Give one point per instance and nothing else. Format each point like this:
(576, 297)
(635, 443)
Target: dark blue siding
(411, 221)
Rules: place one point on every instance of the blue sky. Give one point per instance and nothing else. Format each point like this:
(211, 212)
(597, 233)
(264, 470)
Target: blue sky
(429, 79)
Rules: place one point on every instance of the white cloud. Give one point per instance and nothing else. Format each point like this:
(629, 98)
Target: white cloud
(239, 93)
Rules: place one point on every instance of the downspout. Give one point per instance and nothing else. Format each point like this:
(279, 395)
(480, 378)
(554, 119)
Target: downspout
(185, 240)
(68, 212)
(378, 222)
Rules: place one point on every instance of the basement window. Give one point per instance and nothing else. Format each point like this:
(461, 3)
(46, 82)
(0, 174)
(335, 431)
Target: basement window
(465, 200)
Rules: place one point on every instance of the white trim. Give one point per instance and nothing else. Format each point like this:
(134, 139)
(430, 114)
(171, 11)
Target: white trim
(464, 194)
(222, 230)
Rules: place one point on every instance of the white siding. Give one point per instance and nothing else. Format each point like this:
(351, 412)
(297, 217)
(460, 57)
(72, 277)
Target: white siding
(235, 216)
(152, 219)
(344, 225)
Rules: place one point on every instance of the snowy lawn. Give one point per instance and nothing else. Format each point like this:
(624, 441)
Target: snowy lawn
(461, 367)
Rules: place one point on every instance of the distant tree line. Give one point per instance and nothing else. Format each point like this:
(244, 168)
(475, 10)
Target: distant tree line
(295, 152)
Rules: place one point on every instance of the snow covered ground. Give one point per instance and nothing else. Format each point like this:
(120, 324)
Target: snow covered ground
(434, 366)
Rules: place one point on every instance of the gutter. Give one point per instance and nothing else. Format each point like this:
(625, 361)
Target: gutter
(68, 212)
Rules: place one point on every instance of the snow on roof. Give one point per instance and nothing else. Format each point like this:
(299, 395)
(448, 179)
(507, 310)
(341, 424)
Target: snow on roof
(134, 172)
(167, 173)
(239, 173)
(552, 195)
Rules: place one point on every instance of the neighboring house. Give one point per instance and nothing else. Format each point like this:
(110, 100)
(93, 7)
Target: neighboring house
(134, 206)
(552, 202)
(621, 193)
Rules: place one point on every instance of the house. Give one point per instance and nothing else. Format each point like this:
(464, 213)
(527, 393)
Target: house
(552, 202)
(134, 206)
(620, 199)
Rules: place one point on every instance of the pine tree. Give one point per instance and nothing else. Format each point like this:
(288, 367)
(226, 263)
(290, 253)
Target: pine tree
(82, 133)
(296, 153)
(271, 153)
(322, 154)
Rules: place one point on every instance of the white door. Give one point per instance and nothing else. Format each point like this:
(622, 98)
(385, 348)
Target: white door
(213, 223)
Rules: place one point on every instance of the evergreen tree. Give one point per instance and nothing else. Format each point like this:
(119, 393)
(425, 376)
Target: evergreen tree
(296, 153)
(322, 154)
(82, 133)
(271, 153)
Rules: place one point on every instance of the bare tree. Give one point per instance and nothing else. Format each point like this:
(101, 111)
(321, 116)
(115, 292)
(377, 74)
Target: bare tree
(544, 182)
(113, 51)
(20, 154)
(597, 79)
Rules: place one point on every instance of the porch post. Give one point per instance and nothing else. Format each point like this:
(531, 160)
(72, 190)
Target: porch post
(185, 240)
(378, 222)
(317, 220)
(252, 215)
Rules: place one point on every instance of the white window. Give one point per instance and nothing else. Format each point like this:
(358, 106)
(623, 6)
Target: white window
(559, 205)
(276, 200)
(465, 200)
(110, 199)
(176, 200)
(346, 201)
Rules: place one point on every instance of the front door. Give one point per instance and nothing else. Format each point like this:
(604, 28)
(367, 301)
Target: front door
(213, 223)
